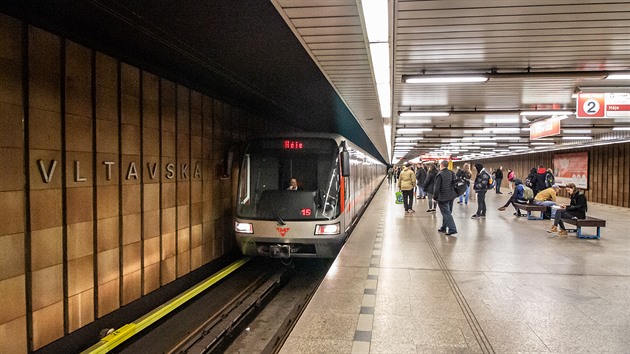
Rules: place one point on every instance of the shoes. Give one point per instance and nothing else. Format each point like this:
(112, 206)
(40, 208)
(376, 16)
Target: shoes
(474, 216)
(429, 210)
(518, 215)
(481, 216)
(433, 210)
(459, 202)
(450, 233)
(442, 230)
(418, 197)
(562, 233)
(411, 211)
(553, 229)
(502, 209)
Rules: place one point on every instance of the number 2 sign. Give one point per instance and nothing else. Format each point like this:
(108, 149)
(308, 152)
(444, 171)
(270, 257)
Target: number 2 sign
(590, 105)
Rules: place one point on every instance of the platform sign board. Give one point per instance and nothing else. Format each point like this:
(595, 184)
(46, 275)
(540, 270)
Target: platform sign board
(543, 128)
(572, 167)
(603, 105)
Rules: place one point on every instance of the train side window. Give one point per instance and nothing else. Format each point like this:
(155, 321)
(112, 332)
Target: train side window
(245, 190)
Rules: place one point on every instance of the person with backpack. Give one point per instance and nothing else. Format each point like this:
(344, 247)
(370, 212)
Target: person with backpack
(421, 176)
(550, 180)
(466, 175)
(540, 184)
(530, 181)
(518, 197)
(481, 186)
(444, 193)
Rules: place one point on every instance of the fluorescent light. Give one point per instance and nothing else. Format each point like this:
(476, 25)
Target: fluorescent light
(577, 137)
(477, 138)
(502, 150)
(525, 129)
(543, 143)
(383, 91)
(620, 76)
(501, 130)
(545, 113)
(413, 120)
(621, 128)
(486, 144)
(515, 147)
(402, 138)
(576, 131)
(472, 131)
(560, 117)
(376, 20)
(422, 114)
(439, 79)
(508, 119)
(412, 130)
(380, 61)
(507, 138)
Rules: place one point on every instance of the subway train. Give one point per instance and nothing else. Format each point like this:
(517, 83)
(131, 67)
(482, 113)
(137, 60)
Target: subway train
(335, 180)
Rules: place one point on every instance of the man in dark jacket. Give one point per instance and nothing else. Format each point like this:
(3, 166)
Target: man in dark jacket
(444, 193)
(498, 179)
(481, 186)
(540, 183)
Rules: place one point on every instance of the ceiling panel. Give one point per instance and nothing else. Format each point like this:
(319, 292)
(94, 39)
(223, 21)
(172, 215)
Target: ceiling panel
(445, 36)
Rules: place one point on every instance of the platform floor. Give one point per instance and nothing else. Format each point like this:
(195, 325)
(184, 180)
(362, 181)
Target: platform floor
(503, 285)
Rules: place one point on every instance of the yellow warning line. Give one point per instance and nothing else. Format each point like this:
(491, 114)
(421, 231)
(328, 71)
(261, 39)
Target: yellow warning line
(127, 331)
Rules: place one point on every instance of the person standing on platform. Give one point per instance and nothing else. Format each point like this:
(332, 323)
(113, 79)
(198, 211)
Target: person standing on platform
(444, 194)
(499, 178)
(428, 186)
(466, 175)
(421, 176)
(511, 176)
(406, 184)
(481, 187)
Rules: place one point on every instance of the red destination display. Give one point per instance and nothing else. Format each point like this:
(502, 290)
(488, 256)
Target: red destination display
(293, 144)
(306, 212)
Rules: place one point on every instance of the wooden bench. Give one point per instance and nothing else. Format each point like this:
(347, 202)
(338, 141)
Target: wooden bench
(532, 207)
(588, 222)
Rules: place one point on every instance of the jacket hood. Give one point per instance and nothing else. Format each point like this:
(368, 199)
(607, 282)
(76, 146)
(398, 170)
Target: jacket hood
(517, 182)
(479, 167)
(542, 170)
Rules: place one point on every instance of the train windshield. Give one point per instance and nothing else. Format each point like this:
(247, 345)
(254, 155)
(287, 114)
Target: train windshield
(290, 179)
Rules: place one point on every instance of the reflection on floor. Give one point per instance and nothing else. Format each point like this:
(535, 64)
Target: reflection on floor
(503, 285)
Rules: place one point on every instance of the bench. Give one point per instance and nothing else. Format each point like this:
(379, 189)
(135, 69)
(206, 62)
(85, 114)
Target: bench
(588, 222)
(532, 207)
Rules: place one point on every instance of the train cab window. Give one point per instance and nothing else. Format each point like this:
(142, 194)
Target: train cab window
(269, 165)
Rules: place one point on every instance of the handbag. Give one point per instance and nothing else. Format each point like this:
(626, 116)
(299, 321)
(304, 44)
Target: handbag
(399, 197)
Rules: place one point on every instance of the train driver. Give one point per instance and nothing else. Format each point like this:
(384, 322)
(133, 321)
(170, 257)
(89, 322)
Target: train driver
(293, 185)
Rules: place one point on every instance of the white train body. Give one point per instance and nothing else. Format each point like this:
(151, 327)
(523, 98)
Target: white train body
(314, 220)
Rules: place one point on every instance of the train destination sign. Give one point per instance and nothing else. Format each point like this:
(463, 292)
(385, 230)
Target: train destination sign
(543, 128)
(603, 105)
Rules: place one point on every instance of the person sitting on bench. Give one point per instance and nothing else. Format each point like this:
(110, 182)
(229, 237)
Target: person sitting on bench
(518, 197)
(547, 197)
(576, 209)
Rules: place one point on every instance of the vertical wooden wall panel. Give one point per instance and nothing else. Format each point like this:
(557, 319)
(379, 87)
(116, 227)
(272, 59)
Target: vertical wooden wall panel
(79, 186)
(152, 176)
(196, 175)
(168, 106)
(46, 193)
(208, 177)
(107, 181)
(13, 322)
(183, 181)
(130, 183)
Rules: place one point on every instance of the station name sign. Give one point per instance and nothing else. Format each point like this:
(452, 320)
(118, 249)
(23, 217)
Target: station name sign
(543, 128)
(171, 170)
(603, 105)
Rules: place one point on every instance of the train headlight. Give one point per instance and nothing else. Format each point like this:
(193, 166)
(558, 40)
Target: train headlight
(244, 227)
(332, 229)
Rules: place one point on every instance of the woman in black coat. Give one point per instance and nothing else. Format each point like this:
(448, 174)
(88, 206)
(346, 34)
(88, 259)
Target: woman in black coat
(428, 187)
(576, 209)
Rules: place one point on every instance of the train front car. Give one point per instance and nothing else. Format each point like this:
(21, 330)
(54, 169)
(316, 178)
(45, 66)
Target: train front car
(276, 221)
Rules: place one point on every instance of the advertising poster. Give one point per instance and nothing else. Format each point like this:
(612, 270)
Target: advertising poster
(572, 167)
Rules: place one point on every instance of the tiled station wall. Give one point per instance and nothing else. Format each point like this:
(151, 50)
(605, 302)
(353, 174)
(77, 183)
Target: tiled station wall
(110, 183)
(608, 171)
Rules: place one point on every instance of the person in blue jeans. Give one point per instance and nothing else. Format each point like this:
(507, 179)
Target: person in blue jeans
(466, 175)
(444, 194)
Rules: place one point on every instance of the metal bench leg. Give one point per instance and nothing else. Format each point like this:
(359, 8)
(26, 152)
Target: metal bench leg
(580, 235)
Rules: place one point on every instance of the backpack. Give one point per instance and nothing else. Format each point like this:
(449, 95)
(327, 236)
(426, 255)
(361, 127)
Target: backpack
(528, 193)
(490, 182)
(549, 180)
(459, 184)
